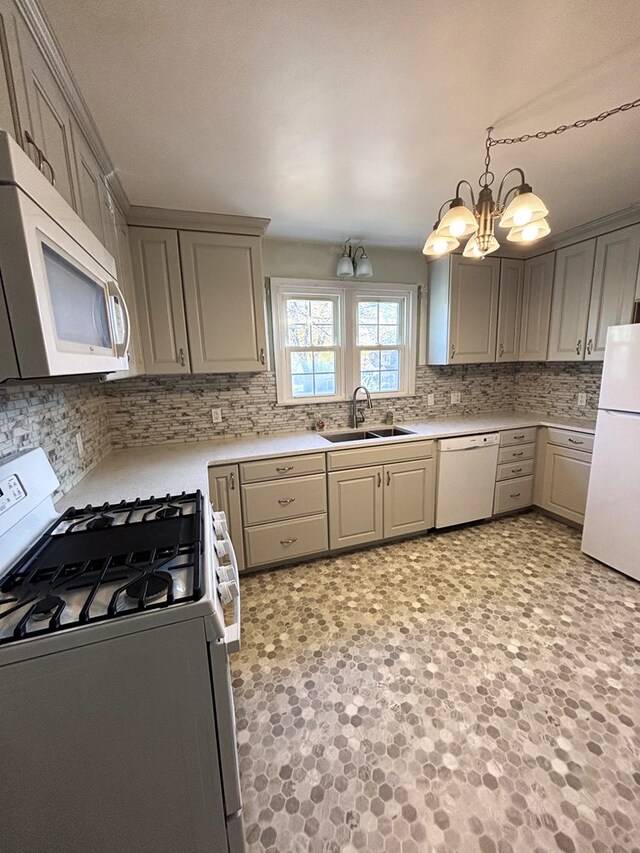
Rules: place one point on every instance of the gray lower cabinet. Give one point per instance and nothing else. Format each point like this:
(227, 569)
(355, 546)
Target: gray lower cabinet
(562, 472)
(355, 506)
(409, 497)
(224, 493)
(285, 540)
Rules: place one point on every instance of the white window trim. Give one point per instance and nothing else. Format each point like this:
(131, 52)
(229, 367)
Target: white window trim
(347, 363)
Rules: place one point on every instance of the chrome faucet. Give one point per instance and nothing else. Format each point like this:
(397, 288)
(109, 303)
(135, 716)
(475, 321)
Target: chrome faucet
(357, 415)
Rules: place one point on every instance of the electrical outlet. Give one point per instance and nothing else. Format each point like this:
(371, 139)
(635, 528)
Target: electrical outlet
(582, 399)
(455, 397)
(431, 399)
(216, 416)
(80, 443)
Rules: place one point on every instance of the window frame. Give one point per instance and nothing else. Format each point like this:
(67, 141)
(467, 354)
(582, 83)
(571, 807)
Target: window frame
(347, 349)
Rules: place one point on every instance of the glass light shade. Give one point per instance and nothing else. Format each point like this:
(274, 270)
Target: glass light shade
(345, 267)
(458, 222)
(439, 245)
(472, 250)
(524, 208)
(363, 267)
(529, 233)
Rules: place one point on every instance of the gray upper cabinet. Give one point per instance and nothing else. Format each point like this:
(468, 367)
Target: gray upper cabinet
(570, 303)
(536, 308)
(125, 280)
(90, 184)
(509, 309)
(614, 284)
(163, 330)
(9, 117)
(463, 310)
(224, 298)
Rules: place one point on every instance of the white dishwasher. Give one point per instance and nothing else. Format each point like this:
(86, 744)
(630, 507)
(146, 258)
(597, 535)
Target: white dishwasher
(466, 478)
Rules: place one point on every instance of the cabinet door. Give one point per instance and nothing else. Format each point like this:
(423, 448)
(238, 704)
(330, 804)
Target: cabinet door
(158, 283)
(536, 308)
(9, 119)
(566, 482)
(614, 285)
(90, 184)
(509, 308)
(355, 506)
(409, 497)
(49, 115)
(224, 297)
(474, 309)
(224, 491)
(570, 303)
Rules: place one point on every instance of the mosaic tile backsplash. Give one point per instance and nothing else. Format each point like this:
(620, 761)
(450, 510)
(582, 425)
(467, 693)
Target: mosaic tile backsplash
(50, 416)
(158, 409)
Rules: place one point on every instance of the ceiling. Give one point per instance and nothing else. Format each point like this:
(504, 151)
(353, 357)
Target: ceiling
(357, 117)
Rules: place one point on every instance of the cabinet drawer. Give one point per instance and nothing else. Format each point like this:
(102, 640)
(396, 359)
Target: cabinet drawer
(515, 469)
(513, 494)
(283, 540)
(567, 438)
(288, 498)
(517, 453)
(517, 436)
(283, 466)
(380, 454)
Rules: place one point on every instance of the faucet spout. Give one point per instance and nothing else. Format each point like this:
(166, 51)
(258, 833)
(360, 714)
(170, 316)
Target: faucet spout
(357, 415)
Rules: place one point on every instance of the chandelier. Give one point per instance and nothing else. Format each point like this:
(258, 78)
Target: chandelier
(518, 208)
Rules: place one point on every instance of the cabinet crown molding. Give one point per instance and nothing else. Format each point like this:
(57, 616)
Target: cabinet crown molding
(193, 220)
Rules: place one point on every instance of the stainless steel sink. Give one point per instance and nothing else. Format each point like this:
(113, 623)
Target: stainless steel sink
(364, 435)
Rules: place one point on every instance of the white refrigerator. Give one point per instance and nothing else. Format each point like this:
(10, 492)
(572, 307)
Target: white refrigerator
(612, 520)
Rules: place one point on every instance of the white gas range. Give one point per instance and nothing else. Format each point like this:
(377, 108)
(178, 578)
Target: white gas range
(118, 726)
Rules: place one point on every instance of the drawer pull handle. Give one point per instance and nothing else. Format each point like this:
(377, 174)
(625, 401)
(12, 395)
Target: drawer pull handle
(285, 501)
(262, 356)
(575, 441)
(516, 470)
(519, 454)
(289, 541)
(518, 437)
(589, 346)
(232, 480)
(579, 347)
(282, 468)
(517, 495)
(388, 478)
(379, 479)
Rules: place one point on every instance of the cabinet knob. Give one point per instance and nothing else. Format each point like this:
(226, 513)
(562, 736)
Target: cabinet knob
(579, 347)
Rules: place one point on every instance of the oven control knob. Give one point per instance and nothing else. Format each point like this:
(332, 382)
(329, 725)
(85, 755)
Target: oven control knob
(228, 591)
(220, 528)
(222, 549)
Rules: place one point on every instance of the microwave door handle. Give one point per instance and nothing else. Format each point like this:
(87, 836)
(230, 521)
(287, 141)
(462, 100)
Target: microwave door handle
(114, 290)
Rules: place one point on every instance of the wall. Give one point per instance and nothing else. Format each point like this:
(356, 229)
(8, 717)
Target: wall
(50, 416)
(553, 388)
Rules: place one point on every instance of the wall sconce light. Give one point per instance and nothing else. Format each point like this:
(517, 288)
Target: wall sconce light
(352, 264)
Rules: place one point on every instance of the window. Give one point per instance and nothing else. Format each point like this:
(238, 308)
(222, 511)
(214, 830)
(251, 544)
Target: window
(329, 338)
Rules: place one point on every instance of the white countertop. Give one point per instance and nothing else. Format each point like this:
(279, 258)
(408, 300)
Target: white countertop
(182, 466)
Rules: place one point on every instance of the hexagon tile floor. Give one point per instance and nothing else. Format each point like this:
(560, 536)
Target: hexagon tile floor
(472, 690)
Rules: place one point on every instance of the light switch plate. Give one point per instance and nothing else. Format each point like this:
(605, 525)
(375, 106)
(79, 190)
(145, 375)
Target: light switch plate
(455, 397)
(582, 399)
(431, 399)
(216, 416)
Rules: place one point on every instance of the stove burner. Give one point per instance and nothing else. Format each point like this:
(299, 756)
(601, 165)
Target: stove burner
(150, 586)
(46, 607)
(168, 512)
(101, 522)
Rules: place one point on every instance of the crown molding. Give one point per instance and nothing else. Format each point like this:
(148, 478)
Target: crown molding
(596, 228)
(193, 220)
(47, 42)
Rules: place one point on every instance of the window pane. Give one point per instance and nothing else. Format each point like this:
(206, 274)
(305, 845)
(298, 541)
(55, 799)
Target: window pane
(378, 322)
(390, 359)
(371, 381)
(322, 336)
(367, 335)
(310, 322)
(388, 335)
(302, 362)
(302, 386)
(321, 311)
(325, 383)
(370, 360)
(389, 380)
(299, 336)
(367, 312)
(324, 362)
(389, 313)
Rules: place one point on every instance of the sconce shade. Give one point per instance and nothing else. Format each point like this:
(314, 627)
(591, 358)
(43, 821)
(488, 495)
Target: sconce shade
(530, 232)
(524, 208)
(345, 266)
(363, 266)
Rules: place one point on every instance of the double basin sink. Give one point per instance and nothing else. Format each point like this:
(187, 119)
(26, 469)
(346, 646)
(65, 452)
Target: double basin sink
(364, 434)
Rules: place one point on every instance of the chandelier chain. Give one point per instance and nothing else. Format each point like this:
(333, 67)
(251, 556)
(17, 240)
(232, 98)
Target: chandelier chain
(583, 122)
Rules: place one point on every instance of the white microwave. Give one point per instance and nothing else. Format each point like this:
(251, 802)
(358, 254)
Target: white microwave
(61, 310)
